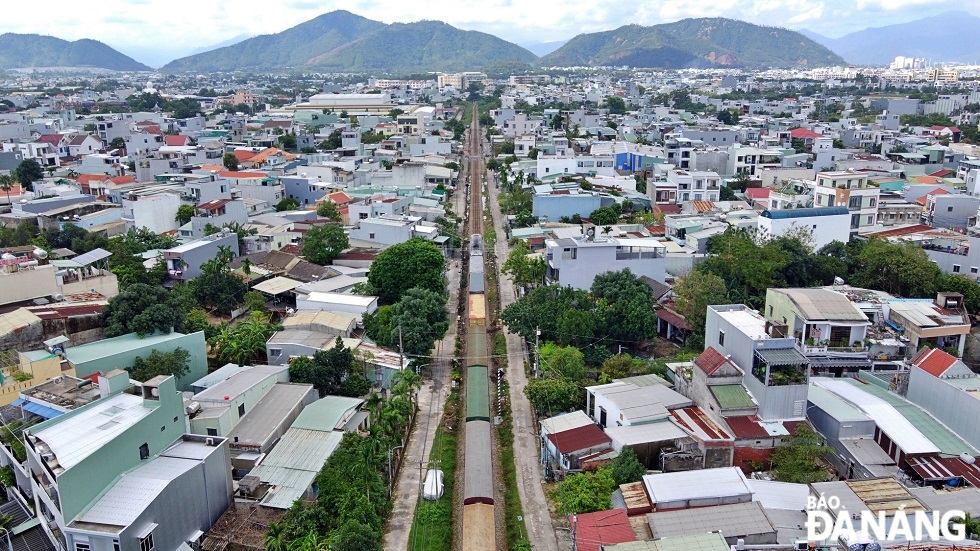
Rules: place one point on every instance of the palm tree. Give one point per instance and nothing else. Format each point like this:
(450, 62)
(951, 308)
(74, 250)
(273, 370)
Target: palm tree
(607, 230)
(275, 537)
(373, 405)
(224, 254)
(6, 184)
(247, 267)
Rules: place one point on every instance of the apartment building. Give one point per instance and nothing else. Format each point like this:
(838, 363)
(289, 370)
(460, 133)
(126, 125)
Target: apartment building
(848, 189)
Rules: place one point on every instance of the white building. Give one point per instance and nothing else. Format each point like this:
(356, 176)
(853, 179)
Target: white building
(824, 225)
(848, 189)
(575, 262)
(695, 185)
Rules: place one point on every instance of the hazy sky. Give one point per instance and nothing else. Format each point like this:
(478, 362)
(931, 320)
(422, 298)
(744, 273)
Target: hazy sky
(156, 31)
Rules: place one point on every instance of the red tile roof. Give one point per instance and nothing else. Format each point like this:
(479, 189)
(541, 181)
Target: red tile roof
(581, 438)
(339, 197)
(50, 139)
(119, 180)
(702, 206)
(673, 318)
(212, 205)
(790, 426)
(240, 174)
(951, 128)
(176, 140)
(669, 209)
(593, 530)
(804, 133)
(710, 361)
(753, 193)
(65, 311)
(746, 426)
(242, 154)
(938, 191)
(291, 249)
(934, 361)
(942, 173)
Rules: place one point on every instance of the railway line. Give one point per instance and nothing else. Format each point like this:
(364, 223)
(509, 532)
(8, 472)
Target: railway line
(479, 505)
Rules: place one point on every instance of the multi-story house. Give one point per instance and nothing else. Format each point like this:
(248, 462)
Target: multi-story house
(693, 185)
(851, 190)
(576, 262)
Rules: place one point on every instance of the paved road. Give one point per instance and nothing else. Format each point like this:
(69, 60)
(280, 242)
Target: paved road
(432, 398)
(527, 451)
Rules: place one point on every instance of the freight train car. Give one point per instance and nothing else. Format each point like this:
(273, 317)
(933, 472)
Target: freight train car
(478, 479)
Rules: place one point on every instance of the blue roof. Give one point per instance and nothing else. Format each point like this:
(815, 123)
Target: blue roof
(43, 411)
(804, 213)
(18, 402)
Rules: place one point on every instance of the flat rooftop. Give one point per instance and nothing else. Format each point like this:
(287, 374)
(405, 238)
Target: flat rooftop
(116, 345)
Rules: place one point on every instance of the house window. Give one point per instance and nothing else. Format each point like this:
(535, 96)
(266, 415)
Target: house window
(721, 338)
(82, 546)
(949, 209)
(370, 236)
(770, 311)
(275, 352)
(241, 410)
(115, 545)
(974, 269)
(144, 451)
(212, 432)
(956, 268)
(146, 543)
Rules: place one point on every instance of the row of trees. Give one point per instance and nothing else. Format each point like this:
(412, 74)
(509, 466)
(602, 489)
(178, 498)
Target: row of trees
(742, 266)
(351, 505)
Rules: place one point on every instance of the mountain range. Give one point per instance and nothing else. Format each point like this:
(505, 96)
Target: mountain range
(693, 43)
(345, 42)
(931, 38)
(34, 50)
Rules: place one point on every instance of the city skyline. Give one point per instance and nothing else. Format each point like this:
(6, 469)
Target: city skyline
(155, 32)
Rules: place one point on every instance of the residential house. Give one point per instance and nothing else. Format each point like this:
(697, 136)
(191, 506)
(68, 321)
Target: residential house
(577, 261)
(942, 323)
(694, 185)
(184, 261)
(121, 352)
(849, 189)
(822, 225)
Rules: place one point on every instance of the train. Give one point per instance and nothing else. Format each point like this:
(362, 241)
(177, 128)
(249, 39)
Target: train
(479, 533)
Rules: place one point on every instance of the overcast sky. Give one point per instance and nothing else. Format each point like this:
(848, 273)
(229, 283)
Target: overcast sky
(156, 31)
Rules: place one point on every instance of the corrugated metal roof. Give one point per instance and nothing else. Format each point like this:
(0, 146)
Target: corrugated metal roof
(779, 495)
(781, 356)
(566, 421)
(949, 443)
(833, 405)
(594, 530)
(328, 413)
(259, 424)
(218, 375)
(644, 380)
(134, 491)
(737, 520)
(116, 345)
(746, 426)
(823, 304)
(17, 320)
(240, 382)
(905, 435)
(292, 466)
(578, 439)
(710, 541)
(666, 488)
(477, 393)
(73, 438)
(94, 255)
(732, 396)
(642, 434)
(277, 285)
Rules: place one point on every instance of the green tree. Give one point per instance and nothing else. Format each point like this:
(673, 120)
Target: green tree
(620, 366)
(796, 460)
(117, 143)
(695, 292)
(901, 269)
(230, 161)
(176, 363)
(414, 263)
(627, 468)
(328, 210)
(7, 182)
(553, 395)
(603, 216)
(624, 306)
(287, 203)
(616, 105)
(564, 361)
(324, 242)
(254, 301)
(585, 492)
(423, 319)
(354, 536)
(326, 370)
(196, 320)
(244, 343)
(541, 309)
(523, 269)
(218, 287)
(28, 172)
(184, 214)
(379, 328)
(142, 309)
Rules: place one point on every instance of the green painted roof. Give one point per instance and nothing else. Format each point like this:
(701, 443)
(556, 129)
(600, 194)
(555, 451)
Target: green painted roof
(35, 355)
(115, 345)
(326, 414)
(645, 380)
(477, 393)
(476, 348)
(732, 396)
(946, 440)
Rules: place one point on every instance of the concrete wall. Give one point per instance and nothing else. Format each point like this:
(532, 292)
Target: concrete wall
(193, 343)
(967, 263)
(823, 229)
(556, 206)
(28, 284)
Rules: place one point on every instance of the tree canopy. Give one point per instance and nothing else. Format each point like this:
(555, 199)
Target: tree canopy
(796, 459)
(604, 216)
(586, 492)
(326, 370)
(324, 242)
(414, 263)
(143, 309)
(175, 363)
(28, 172)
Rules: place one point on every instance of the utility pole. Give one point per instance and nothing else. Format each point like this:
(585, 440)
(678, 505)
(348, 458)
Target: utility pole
(401, 349)
(537, 349)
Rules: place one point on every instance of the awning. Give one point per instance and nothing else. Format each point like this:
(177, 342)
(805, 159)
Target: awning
(94, 255)
(43, 411)
(64, 263)
(945, 468)
(781, 356)
(277, 285)
(18, 402)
